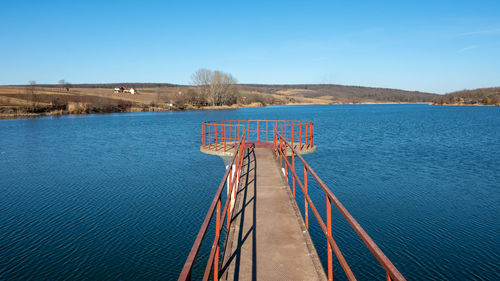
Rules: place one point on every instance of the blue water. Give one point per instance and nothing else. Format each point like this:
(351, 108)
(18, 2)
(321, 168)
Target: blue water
(122, 196)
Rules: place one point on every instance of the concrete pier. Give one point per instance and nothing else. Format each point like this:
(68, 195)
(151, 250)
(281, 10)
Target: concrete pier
(267, 239)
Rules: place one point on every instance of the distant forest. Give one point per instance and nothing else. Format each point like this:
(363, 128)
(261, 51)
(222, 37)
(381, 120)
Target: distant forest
(482, 96)
(343, 94)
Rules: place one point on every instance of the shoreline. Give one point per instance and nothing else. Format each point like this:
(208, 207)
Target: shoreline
(9, 116)
(462, 104)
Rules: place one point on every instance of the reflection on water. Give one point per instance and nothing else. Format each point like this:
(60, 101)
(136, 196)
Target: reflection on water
(122, 196)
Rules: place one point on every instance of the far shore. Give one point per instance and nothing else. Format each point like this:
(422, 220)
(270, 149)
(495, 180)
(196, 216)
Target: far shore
(222, 107)
(189, 108)
(463, 104)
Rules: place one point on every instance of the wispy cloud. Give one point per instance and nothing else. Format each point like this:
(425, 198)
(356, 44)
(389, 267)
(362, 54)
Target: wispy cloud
(481, 32)
(467, 48)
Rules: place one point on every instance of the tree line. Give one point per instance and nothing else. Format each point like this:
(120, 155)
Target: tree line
(483, 96)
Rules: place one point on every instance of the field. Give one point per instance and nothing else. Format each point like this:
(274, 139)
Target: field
(42, 100)
(33, 100)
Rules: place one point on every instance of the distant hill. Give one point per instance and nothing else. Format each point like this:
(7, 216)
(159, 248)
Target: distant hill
(341, 93)
(111, 85)
(328, 93)
(481, 96)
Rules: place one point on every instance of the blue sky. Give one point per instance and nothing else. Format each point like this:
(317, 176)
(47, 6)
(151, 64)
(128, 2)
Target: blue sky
(436, 46)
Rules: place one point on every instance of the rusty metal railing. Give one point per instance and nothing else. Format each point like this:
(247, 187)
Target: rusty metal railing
(223, 134)
(231, 176)
(281, 145)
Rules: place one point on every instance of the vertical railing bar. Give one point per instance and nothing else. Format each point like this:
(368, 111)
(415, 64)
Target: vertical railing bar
(258, 131)
(267, 130)
(329, 232)
(217, 235)
(230, 195)
(300, 135)
(293, 167)
(306, 208)
(285, 163)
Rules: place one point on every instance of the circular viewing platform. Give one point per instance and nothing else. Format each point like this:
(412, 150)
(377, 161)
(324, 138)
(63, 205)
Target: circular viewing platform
(222, 137)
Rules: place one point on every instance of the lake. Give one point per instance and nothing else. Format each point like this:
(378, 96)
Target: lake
(122, 196)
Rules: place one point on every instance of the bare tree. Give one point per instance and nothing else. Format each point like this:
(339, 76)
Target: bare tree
(31, 93)
(224, 88)
(201, 78)
(158, 97)
(194, 98)
(217, 86)
(64, 85)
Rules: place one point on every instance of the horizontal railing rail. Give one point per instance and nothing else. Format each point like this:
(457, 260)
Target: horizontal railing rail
(223, 134)
(281, 145)
(232, 176)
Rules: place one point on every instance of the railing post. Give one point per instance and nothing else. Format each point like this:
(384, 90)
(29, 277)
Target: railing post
(284, 160)
(388, 277)
(293, 168)
(293, 132)
(285, 130)
(258, 131)
(312, 134)
(229, 194)
(329, 232)
(209, 138)
(224, 133)
(203, 135)
(215, 135)
(281, 149)
(267, 130)
(276, 126)
(217, 234)
(236, 133)
(306, 208)
(300, 135)
(281, 153)
(274, 139)
(248, 129)
(307, 135)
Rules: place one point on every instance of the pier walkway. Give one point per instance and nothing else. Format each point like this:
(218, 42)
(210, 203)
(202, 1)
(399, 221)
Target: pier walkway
(268, 239)
(260, 233)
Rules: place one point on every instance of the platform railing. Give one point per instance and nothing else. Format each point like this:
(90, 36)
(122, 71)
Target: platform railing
(223, 134)
(281, 146)
(231, 177)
